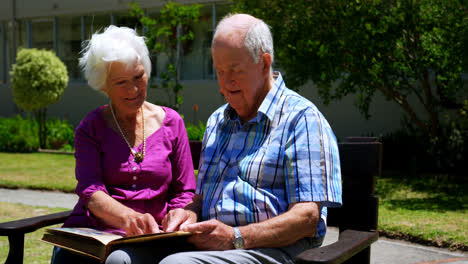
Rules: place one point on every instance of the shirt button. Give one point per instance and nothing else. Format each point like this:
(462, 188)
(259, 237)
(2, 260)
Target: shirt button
(134, 178)
(135, 168)
(133, 186)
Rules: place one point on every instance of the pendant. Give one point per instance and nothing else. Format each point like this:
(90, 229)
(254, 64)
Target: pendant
(138, 157)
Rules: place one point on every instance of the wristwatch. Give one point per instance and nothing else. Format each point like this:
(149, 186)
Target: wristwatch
(238, 240)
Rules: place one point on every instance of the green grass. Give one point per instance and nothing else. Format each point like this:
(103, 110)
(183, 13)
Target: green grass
(38, 171)
(429, 210)
(34, 251)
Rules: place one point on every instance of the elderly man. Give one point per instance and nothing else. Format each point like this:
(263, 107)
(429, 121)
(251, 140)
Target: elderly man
(269, 164)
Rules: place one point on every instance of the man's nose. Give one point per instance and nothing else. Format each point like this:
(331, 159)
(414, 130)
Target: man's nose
(229, 82)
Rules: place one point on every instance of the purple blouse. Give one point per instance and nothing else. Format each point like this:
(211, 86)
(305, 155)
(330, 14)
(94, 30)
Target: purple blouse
(164, 180)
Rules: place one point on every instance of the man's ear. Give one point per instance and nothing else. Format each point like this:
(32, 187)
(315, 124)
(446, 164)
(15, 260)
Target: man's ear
(266, 58)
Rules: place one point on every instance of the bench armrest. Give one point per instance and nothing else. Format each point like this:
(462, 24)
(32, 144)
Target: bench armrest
(350, 242)
(28, 225)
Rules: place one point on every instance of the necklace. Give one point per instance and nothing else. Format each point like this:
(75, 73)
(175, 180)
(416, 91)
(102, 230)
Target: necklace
(137, 156)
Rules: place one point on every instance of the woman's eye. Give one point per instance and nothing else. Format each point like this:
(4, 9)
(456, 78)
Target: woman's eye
(121, 82)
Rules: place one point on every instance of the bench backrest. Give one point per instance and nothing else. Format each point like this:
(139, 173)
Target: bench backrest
(361, 163)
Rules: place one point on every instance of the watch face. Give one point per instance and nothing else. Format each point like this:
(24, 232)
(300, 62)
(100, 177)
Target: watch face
(239, 242)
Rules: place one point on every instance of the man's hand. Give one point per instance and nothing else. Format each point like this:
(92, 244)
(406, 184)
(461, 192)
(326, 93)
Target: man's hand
(139, 224)
(177, 219)
(211, 235)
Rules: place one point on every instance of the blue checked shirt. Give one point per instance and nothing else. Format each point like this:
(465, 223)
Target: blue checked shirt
(286, 154)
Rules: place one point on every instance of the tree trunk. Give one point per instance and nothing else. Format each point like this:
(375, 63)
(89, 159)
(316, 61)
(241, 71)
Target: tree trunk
(41, 116)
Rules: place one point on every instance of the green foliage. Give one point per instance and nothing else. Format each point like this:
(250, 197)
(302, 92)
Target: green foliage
(411, 149)
(38, 79)
(60, 134)
(195, 132)
(401, 48)
(18, 134)
(169, 32)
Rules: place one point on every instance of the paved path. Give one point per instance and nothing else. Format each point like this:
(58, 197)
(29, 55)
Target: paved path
(384, 251)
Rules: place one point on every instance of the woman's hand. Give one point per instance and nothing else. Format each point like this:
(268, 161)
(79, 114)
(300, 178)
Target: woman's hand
(177, 219)
(115, 214)
(140, 224)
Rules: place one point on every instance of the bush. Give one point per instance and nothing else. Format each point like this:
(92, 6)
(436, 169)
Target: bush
(18, 134)
(38, 79)
(195, 132)
(60, 134)
(416, 151)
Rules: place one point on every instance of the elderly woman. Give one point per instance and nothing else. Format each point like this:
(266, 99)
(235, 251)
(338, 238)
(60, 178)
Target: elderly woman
(133, 161)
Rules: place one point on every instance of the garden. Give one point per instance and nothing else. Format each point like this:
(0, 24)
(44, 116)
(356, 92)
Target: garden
(416, 56)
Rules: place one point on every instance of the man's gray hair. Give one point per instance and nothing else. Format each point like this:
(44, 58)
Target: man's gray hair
(258, 38)
(115, 44)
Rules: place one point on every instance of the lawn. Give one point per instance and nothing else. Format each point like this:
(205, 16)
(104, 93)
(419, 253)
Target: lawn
(428, 210)
(35, 251)
(38, 171)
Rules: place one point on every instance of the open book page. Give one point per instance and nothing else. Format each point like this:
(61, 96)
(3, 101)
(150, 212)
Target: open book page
(101, 236)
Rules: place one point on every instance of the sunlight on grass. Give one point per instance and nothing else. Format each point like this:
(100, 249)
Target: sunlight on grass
(35, 251)
(424, 209)
(38, 171)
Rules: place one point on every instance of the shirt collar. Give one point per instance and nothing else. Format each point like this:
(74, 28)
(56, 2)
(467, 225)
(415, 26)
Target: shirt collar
(267, 107)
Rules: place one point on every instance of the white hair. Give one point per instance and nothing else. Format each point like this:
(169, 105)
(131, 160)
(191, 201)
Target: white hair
(115, 44)
(258, 38)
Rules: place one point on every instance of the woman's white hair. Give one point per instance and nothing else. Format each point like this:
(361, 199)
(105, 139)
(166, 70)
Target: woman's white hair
(115, 44)
(258, 38)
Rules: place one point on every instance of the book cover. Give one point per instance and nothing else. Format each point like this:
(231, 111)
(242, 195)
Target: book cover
(98, 244)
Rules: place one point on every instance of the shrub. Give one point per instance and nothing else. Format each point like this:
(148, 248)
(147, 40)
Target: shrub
(60, 134)
(412, 149)
(195, 132)
(38, 79)
(18, 134)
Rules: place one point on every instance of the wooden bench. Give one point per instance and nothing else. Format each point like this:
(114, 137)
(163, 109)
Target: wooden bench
(356, 219)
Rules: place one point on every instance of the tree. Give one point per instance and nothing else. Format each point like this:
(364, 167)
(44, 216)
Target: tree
(403, 49)
(38, 79)
(169, 32)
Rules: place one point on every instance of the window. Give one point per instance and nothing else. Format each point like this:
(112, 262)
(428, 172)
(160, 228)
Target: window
(2, 53)
(96, 23)
(21, 34)
(123, 19)
(197, 61)
(69, 44)
(42, 33)
(8, 55)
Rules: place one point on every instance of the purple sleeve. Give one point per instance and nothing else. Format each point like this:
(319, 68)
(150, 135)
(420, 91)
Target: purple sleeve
(88, 170)
(182, 187)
